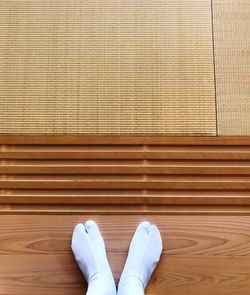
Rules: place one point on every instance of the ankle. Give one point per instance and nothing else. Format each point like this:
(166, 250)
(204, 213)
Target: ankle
(131, 285)
(101, 284)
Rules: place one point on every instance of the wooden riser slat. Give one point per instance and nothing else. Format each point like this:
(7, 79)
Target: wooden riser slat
(240, 184)
(216, 154)
(124, 196)
(64, 169)
(125, 140)
(236, 199)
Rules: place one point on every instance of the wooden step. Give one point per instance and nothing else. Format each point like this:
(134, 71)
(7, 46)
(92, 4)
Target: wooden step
(118, 170)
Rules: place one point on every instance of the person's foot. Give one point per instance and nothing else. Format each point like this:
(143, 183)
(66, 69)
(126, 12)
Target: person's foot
(90, 253)
(144, 254)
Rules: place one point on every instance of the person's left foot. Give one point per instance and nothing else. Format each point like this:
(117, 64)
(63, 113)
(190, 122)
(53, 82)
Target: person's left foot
(90, 253)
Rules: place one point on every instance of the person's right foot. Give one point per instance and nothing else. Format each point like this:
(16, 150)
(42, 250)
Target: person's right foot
(144, 254)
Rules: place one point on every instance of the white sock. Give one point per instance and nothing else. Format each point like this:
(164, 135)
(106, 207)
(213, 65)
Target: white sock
(144, 254)
(90, 253)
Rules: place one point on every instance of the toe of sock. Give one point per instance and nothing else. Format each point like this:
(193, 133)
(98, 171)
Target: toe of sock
(153, 229)
(93, 231)
(144, 226)
(141, 234)
(90, 224)
(79, 233)
(155, 235)
(79, 229)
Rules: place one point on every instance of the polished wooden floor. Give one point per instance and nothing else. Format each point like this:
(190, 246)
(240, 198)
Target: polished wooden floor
(203, 254)
(197, 190)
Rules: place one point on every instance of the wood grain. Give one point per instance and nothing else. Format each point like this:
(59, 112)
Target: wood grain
(210, 256)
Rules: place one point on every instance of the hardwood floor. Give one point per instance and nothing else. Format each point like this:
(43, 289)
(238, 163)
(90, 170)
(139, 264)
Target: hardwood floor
(202, 254)
(195, 189)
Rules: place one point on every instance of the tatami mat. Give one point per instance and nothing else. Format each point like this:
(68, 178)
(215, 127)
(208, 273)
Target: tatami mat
(107, 67)
(232, 60)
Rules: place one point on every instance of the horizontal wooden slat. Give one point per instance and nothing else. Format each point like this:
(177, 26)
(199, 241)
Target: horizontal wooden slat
(127, 152)
(128, 155)
(126, 140)
(150, 197)
(124, 182)
(124, 167)
(125, 209)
